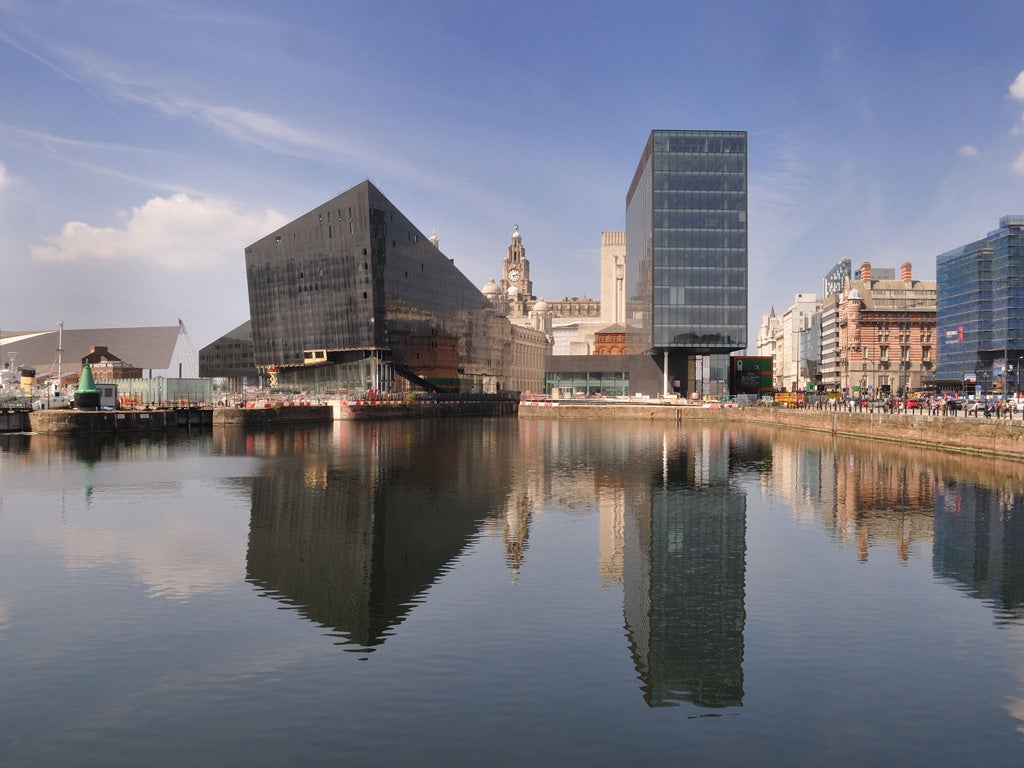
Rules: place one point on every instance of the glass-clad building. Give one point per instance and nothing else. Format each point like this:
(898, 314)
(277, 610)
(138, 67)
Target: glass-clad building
(980, 309)
(686, 240)
(351, 293)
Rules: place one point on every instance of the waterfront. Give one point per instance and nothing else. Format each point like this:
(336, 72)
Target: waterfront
(501, 592)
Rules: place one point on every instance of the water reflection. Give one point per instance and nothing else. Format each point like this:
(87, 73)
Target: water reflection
(979, 545)
(685, 571)
(130, 502)
(353, 531)
(672, 533)
(351, 526)
(352, 523)
(564, 577)
(968, 511)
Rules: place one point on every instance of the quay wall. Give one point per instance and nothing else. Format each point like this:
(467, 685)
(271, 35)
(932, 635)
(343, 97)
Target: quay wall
(363, 410)
(964, 434)
(71, 422)
(263, 417)
(74, 422)
(13, 421)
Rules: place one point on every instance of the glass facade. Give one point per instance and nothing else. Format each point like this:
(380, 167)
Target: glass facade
(686, 240)
(980, 308)
(588, 383)
(832, 284)
(353, 280)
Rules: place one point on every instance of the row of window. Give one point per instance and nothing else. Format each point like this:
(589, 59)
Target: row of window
(666, 162)
(703, 143)
(706, 200)
(706, 219)
(699, 182)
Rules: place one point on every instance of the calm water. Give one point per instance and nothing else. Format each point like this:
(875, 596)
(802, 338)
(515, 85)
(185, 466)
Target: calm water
(491, 593)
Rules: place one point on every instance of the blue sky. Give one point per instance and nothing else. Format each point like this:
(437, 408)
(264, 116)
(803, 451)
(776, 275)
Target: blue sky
(144, 144)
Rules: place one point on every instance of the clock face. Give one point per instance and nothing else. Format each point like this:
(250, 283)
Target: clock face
(513, 275)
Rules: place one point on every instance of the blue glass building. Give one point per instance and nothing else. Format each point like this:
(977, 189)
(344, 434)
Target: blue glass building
(980, 309)
(686, 241)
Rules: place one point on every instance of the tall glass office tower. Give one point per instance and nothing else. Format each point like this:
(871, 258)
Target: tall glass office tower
(686, 241)
(980, 309)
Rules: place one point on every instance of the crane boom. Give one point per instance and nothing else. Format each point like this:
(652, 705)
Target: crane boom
(190, 353)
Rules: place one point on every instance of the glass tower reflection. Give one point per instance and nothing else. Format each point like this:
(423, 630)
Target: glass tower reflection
(979, 543)
(685, 575)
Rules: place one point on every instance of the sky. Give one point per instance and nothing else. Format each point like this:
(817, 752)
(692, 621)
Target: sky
(144, 144)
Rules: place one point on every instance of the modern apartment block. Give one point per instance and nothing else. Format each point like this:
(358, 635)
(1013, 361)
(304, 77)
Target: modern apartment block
(828, 322)
(980, 309)
(686, 249)
(832, 285)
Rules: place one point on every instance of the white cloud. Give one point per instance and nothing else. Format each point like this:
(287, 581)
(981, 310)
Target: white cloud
(177, 232)
(5, 177)
(968, 150)
(1018, 165)
(1017, 87)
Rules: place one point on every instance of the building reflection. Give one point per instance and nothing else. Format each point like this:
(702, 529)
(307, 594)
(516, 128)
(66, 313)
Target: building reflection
(979, 545)
(671, 533)
(969, 511)
(685, 571)
(866, 497)
(353, 536)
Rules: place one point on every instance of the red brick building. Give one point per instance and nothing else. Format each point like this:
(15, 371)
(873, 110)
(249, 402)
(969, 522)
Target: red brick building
(886, 333)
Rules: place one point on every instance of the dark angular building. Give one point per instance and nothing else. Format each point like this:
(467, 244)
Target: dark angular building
(350, 294)
(230, 357)
(686, 241)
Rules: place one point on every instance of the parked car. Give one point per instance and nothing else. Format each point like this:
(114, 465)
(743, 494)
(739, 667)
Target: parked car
(911, 403)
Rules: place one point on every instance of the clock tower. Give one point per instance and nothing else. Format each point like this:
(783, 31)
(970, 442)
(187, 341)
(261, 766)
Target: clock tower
(516, 269)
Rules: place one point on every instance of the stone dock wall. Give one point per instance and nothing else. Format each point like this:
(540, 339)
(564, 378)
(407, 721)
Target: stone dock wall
(263, 417)
(74, 422)
(965, 434)
(361, 410)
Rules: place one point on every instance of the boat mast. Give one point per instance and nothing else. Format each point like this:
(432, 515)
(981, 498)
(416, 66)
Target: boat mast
(60, 350)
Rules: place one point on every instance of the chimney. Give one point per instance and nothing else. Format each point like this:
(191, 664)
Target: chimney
(865, 271)
(905, 274)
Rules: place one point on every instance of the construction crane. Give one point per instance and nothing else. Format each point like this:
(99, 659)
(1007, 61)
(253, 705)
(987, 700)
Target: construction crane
(190, 353)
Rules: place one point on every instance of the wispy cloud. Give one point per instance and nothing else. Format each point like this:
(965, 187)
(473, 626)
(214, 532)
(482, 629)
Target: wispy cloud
(42, 137)
(1017, 166)
(176, 232)
(5, 177)
(968, 150)
(779, 203)
(1017, 92)
(1017, 87)
(261, 129)
(52, 142)
(25, 50)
